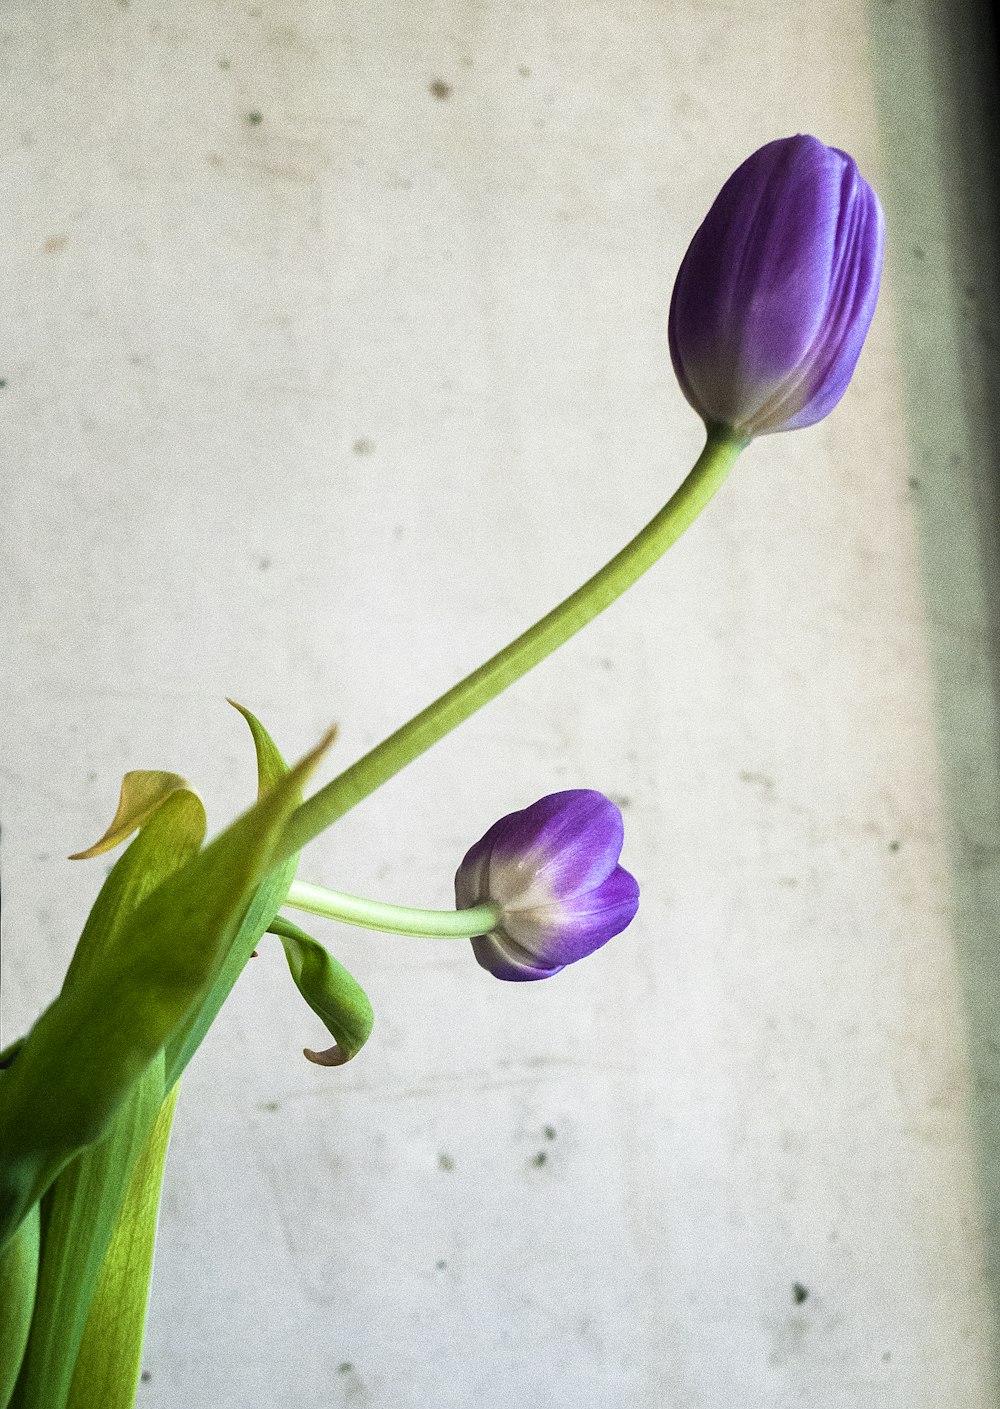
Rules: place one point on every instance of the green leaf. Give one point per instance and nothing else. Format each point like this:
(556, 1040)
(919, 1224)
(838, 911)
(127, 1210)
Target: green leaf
(172, 830)
(93, 1044)
(333, 994)
(143, 793)
(110, 1356)
(83, 1204)
(270, 764)
(268, 900)
(80, 1213)
(18, 1280)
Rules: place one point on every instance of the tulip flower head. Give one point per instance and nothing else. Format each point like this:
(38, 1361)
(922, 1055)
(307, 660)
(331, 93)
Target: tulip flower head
(552, 870)
(777, 290)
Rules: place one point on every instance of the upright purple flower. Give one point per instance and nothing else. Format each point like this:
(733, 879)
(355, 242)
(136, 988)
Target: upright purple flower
(552, 869)
(777, 290)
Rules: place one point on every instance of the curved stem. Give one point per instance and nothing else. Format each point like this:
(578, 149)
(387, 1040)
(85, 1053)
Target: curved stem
(455, 705)
(393, 919)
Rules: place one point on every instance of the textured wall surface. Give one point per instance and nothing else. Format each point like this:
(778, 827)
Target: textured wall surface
(334, 354)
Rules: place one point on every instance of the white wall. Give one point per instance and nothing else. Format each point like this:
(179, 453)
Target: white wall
(317, 411)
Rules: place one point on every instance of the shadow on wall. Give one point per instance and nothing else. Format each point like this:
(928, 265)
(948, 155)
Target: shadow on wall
(946, 257)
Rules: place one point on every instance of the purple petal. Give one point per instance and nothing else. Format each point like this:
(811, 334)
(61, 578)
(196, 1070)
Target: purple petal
(552, 868)
(563, 844)
(576, 926)
(851, 304)
(508, 961)
(776, 292)
(472, 879)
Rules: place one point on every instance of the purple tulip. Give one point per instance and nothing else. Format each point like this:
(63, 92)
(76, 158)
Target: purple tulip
(777, 290)
(553, 871)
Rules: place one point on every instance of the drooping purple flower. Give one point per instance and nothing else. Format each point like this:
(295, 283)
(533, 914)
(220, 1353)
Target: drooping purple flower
(776, 292)
(553, 871)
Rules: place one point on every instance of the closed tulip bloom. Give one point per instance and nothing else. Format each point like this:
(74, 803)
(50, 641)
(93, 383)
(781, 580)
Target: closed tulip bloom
(552, 871)
(776, 292)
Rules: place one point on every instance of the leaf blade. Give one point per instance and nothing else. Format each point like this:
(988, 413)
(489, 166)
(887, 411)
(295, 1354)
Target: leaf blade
(110, 1355)
(267, 901)
(331, 991)
(123, 1009)
(82, 1209)
(18, 1285)
(144, 791)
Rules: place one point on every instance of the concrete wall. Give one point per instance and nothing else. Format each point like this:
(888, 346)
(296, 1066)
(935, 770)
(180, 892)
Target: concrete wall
(334, 354)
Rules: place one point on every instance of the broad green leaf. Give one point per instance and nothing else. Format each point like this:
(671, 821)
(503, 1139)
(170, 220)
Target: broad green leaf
(81, 1210)
(268, 900)
(82, 1206)
(143, 792)
(171, 832)
(18, 1280)
(109, 1359)
(92, 1045)
(333, 994)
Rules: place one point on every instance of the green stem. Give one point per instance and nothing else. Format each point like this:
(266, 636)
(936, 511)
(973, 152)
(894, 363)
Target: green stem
(455, 705)
(393, 919)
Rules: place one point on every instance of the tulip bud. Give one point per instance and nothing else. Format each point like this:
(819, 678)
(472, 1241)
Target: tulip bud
(552, 869)
(777, 290)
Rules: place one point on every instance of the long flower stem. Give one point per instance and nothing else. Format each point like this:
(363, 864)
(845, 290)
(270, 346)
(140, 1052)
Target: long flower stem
(455, 705)
(393, 919)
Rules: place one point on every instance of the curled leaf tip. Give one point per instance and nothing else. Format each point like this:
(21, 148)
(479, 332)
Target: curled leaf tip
(333, 994)
(144, 791)
(333, 1056)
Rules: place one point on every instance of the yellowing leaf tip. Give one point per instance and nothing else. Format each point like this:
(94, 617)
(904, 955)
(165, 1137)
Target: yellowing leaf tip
(144, 791)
